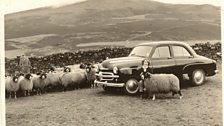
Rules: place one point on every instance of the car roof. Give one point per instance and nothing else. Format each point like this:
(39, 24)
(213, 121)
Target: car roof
(155, 43)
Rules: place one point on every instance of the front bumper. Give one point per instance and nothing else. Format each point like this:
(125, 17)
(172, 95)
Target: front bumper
(105, 83)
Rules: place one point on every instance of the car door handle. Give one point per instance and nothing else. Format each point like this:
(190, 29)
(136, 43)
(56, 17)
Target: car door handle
(169, 57)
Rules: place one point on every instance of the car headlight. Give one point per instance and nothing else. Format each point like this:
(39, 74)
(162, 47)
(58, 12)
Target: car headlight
(115, 70)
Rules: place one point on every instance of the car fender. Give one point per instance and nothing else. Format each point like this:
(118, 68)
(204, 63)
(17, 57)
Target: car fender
(131, 71)
(189, 67)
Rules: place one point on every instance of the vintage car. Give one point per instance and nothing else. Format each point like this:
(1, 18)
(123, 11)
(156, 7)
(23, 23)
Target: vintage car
(177, 58)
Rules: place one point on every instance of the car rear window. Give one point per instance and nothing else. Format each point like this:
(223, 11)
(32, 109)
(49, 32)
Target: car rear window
(161, 52)
(179, 51)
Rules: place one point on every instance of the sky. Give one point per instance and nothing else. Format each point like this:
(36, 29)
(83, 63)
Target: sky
(11, 6)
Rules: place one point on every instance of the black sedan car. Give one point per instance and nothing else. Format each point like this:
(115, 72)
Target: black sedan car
(177, 58)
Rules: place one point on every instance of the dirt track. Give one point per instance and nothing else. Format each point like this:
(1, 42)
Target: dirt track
(200, 105)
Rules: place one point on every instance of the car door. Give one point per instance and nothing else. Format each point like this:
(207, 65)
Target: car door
(182, 57)
(161, 60)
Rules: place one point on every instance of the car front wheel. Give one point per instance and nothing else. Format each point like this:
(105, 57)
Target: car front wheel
(197, 77)
(131, 86)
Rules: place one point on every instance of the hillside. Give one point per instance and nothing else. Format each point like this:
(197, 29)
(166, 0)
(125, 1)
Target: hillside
(109, 21)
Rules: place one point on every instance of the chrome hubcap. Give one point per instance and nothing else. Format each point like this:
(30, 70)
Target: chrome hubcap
(198, 77)
(132, 86)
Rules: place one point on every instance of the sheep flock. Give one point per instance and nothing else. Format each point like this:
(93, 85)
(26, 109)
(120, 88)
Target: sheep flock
(55, 80)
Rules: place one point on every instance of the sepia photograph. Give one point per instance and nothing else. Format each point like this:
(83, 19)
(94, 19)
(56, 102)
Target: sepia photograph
(111, 63)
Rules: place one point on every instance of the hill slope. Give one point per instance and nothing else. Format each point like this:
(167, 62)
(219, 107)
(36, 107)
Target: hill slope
(106, 21)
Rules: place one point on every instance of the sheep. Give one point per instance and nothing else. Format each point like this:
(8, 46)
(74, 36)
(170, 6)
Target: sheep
(74, 67)
(82, 66)
(7, 84)
(78, 79)
(67, 69)
(39, 83)
(73, 79)
(57, 69)
(53, 79)
(162, 83)
(26, 84)
(91, 77)
(14, 86)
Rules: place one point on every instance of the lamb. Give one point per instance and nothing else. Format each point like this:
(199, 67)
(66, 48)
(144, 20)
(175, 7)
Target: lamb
(162, 83)
(39, 83)
(26, 84)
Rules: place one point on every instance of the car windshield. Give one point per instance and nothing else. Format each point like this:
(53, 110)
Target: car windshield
(141, 51)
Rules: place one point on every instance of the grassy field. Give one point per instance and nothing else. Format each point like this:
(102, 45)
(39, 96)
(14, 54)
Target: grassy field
(200, 106)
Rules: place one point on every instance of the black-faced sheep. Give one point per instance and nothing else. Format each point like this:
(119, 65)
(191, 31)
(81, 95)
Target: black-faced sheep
(91, 76)
(79, 78)
(57, 69)
(39, 83)
(67, 69)
(82, 66)
(7, 81)
(53, 80)
(12, 85)
(26, 84)
(162, 83)
(73, 79)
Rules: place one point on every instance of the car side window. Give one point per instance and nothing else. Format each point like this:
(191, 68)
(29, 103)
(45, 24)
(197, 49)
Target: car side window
(179, 51)
(161, 52)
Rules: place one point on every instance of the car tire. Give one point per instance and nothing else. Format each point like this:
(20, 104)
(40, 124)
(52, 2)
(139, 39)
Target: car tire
(197, 77)
(131, 87)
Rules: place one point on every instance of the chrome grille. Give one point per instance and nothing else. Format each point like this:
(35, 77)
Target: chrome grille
(106, 76)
